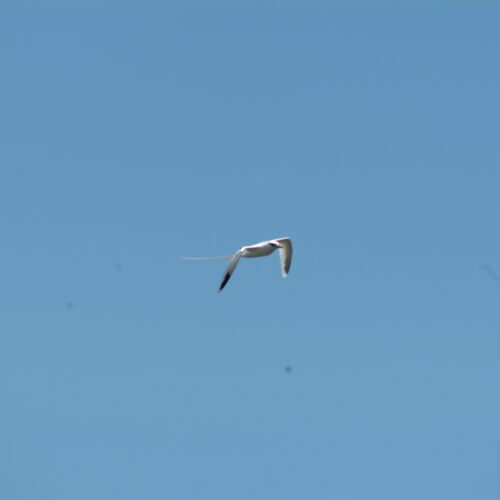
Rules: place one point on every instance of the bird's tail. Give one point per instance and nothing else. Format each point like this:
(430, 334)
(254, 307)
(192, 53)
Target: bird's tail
(208, 258)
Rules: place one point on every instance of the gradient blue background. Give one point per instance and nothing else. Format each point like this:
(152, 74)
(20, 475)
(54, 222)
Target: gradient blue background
(131, 135)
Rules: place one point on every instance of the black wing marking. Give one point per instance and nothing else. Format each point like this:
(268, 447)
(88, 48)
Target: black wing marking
(229, 270)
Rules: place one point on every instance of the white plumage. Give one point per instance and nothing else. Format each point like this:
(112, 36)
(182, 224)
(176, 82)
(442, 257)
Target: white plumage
(258, 250)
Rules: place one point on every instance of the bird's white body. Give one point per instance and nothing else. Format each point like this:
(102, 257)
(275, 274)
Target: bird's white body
(258, 250)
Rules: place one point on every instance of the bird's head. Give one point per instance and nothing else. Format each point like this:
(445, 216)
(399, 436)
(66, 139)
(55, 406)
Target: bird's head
(275, 244)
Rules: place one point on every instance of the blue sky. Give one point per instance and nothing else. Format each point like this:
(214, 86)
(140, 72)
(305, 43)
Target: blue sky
(131, 135)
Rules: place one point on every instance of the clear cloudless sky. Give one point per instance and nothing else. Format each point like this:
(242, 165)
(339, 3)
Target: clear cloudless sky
(133, 133)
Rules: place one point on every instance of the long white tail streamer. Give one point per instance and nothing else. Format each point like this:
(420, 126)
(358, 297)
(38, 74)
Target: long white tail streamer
(208, 258)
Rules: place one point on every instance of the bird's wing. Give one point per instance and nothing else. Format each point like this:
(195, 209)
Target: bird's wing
(230, 269)
(285, 255)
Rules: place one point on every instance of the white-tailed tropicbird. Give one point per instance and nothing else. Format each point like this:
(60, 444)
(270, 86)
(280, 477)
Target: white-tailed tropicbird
(258, 250)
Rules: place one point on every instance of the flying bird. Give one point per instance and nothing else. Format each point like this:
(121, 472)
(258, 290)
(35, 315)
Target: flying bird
(258, 250)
